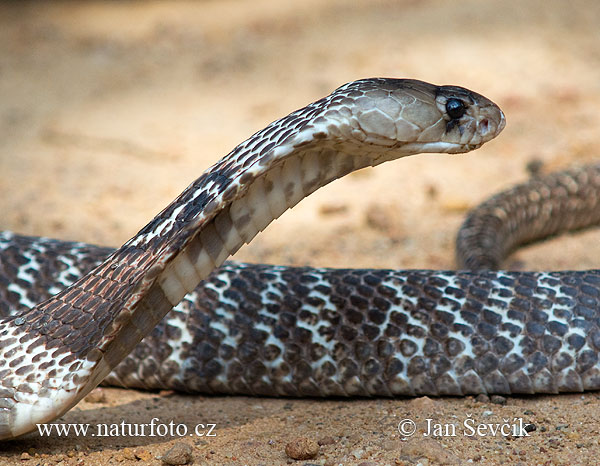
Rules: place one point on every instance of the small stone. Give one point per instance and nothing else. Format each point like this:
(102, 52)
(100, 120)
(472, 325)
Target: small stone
(332, 209)
(143, 455)
(431, 191)
(423, 404)
(482, 398)
(392, 445)
(498, 400)
(179, 454)
(378, 218)
(25, 456)
(326, 441)
(302, 448)
(430, 449)
(358, 454)
(354, 438)
(128, 454)
(535, 167)
(530, 427)
(456, 205)
(97, 395)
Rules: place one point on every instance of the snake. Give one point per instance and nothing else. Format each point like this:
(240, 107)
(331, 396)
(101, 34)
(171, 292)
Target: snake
(74, 315)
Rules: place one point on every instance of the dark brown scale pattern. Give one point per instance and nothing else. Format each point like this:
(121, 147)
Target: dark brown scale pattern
(125, 285)
(323, 326)
(55, 318)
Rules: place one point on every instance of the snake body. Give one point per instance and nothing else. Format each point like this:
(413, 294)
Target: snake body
(276, 330)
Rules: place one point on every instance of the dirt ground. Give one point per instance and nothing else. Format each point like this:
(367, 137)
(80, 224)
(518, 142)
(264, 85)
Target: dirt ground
(109, 109)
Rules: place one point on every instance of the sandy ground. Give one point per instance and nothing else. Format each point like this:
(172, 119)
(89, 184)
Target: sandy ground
(109, 109)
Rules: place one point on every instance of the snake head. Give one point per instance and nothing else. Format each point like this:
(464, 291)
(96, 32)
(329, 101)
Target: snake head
(469, 119)
(407, 116)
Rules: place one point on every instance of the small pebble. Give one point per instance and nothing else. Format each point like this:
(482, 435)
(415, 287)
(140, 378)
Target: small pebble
(573, 435)
(498, 400)
(482, 398)
(530, 427)
(326, 441)
(391, 445)
(302, 448)
(25, 456)
(97, 395)
(535, 167)
(456, 205)
(332, 209)
(378, 218)
(431, 191)
(179, 454)
(128, 454)
(143, 455)
(358, 454)
(423, 404)
(417, 448)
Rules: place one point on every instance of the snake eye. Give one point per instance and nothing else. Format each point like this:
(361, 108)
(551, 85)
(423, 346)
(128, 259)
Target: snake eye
(455, 108)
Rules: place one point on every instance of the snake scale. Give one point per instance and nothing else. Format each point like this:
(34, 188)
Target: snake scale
(74, 312)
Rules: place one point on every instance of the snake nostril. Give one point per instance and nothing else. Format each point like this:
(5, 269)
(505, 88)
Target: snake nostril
(484, 126)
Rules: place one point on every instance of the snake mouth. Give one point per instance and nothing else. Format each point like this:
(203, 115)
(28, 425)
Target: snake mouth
(441, 147)
(463, 148)
(489, 125)
(488, 128)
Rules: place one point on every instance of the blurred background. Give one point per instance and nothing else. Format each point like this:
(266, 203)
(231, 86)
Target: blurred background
(109, 109)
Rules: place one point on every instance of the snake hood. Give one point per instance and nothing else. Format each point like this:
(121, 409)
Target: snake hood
(410, 116)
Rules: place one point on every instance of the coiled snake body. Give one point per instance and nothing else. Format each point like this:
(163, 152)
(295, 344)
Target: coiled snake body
(273, 330)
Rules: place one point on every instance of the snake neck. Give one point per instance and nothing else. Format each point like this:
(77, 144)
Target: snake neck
(73, 340)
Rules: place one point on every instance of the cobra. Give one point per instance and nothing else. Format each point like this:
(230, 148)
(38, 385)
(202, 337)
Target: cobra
(75, 312)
